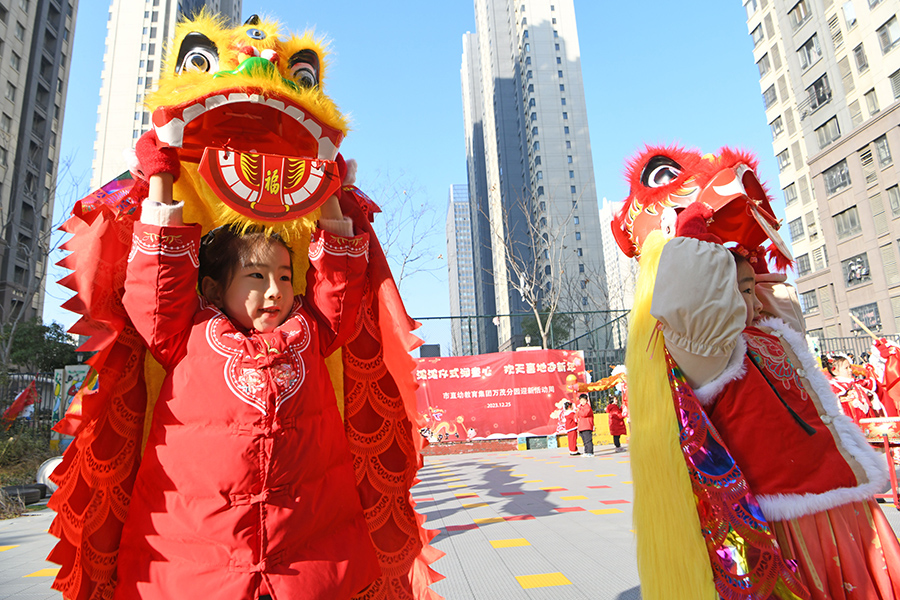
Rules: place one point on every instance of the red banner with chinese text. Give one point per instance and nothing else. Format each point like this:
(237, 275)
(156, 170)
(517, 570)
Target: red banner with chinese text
(499, 395)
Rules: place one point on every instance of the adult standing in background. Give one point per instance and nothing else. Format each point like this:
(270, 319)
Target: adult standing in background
(586, 424)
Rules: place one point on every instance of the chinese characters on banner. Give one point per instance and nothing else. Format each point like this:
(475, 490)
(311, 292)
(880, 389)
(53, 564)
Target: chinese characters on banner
(499, 395)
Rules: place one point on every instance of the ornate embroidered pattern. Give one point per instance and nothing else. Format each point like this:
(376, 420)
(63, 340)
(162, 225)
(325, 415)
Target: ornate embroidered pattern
(337, 246)
(253, 362)
(167, 245)
(771, 356)
(743, 552)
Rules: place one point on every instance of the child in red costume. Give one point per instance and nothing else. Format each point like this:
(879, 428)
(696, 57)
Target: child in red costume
(616, 424)
(858, 397)
(586, 424)
(571, 428)
(809, 466)
(246, 486)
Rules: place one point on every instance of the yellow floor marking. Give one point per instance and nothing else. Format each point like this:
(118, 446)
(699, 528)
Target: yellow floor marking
(566, 466)
(5, 548)
(467, 494)
(489, 520)
(553, 462)
(605, 511)
(507, 469)
(607, 475)
(533, 481)
(628, 482)
(584, 470)
(513, 543)
(573, 497)
(623, 462)
(451, 479)
(475, 505)
(457, 485)
(518, 475)
(543, 580)
(49, 572)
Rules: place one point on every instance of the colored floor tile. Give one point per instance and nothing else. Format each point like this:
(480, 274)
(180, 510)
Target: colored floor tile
(5, 548)
(518, 518)
(605, 511)
(614, 502)
(475, 505)
(488, 520)
(584, 470)
(607, 475)
(511, 493)
(598, 487)
(533, 481)
(543, 580)
(573, 497)
(49, 572)
(424, 499)
(461, 527)
(467, 495)
(513, 543)
(566, 509)
(457, 485)
(451, 479)
(628, 482)
(554, 489)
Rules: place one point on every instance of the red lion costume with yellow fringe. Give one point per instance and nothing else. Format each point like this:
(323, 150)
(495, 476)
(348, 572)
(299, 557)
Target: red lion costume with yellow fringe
(257, 141)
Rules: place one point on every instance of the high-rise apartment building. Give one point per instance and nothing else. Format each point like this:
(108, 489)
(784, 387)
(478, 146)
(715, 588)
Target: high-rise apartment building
(621, 271)
(461, 271)
(136, 33)
(531, 177)
(35, 55)
(830, 76)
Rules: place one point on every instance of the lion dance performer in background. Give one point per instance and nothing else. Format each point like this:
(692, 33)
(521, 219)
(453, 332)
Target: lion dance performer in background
(256, 143)
(768, 486)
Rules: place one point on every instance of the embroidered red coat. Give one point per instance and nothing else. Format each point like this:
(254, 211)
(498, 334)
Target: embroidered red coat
(246, 482)
(858, 397)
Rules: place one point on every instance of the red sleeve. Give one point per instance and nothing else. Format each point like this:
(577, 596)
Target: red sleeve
(160, 287)
(335, 283)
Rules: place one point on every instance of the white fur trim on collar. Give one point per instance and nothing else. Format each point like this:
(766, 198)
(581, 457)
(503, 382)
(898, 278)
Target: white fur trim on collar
(779, 507)
(734, 370)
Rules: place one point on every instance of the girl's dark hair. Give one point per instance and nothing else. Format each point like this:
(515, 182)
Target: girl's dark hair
(567, 405)
(224, 249)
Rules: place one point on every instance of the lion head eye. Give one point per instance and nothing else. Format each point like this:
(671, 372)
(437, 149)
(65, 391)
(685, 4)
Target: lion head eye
(660, 171)
(304, 67)
(197, 53)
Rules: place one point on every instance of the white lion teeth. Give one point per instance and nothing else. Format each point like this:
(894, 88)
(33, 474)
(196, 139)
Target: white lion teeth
(172, 133)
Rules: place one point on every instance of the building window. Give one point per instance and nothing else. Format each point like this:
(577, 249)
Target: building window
(828, 132)
(846, 223)
(799, 14)
(568, 145)
(534, 131)
(581, 267)
(777, 127)
(809, 52)
(819, 93)
(578, 235)
(10, 92)
(803, 267)
(757, 35)
(565, 116)
(893, 193)
(3, 156)
(856, 270)
(763, 65)
(872, 102)
(5, 122)
(557, 47)
(751, 7)
(808, 302)
(562, 87)
(540, 175)
(769, 97)
(888, 35)
(563, 101)
(862, 63)
(525, 34)
(837, 177)
(784, 160)
(874, 3)
(571, 189)
(868, 315)
(537, 161)
(536, 146)
(576, 220)
(790, 194)
(527, 47)
(796, 229)
(849, 14)
(569, 159)
(558, 60)
(883, 151)
(20, 31)
(559, 74)
(579, 251)
(571, 174)
(566, 130)
(540, 190)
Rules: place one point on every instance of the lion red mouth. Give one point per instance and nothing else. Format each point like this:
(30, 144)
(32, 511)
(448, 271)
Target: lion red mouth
(266, 157)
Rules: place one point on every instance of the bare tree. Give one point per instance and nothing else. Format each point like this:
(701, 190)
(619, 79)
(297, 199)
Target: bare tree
(35, 251)
(535, 250)
(407, 227)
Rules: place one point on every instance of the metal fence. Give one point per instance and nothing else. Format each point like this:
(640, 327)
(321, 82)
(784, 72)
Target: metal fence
(45, 413)
(851, 345)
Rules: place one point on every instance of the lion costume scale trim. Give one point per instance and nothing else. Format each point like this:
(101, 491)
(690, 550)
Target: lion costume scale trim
(257, 141)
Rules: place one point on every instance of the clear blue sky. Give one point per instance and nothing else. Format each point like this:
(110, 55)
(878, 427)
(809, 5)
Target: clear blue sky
(654, 72)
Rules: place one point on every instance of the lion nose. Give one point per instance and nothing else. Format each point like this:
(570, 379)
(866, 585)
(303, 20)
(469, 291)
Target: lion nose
(270, 55)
